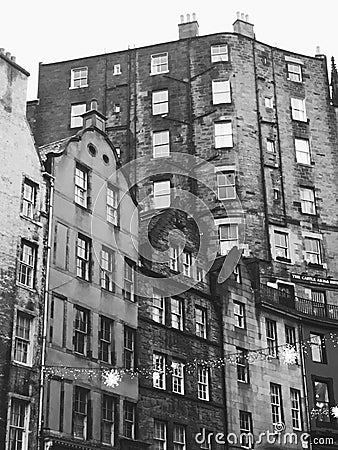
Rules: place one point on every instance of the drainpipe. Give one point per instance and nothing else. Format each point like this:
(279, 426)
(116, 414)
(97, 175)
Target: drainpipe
(304, 382)
(266, 214)
(45, 311)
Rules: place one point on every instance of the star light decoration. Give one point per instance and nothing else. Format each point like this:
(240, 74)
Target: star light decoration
(334, 411)
(288, 354)
(112, 378)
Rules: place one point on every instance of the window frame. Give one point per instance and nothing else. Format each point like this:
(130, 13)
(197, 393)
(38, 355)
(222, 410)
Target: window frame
(29, 203)
(319, 346)
(224, 139)
(276, 403)
(81, 185)
(201, 326)
(226, 187)
(27, 268)
(245, 416)
(129, 407)
(83, 257)
(159, 107)
(298, 142)
(159, 365)
(153, 64)
(298, 109)
(129, 283)
(313, 257)
(222, 95)
(19, 430)
(325, 416)
(76, 121)
(82, 415)
(177, 377)
(203, 383)
(296, 413)
(162, 149)
(106, 343)
(279, 247)
(160, 309)
(109, 421)
(129, 345)
(166, 195)
(226, 243)
(187, 261)
(179, 444)
(174, 251)
(81, 333)
(216, 56)
(26, 346)
(242, 365)
(73, 79)
(176, 314)
(239, 317)
(117, 69)
(270, 146)
(107, 269)
(112, 205)
(308, 205)
(271, 337)
(160, 441)
(294, 75)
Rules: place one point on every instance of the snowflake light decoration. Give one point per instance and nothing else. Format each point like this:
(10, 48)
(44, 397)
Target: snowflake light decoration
(288, 354)
(112, 378)
(334, 411)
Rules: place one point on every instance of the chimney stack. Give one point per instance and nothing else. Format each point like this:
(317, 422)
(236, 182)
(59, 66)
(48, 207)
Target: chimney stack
(243, 26)
(188, 29)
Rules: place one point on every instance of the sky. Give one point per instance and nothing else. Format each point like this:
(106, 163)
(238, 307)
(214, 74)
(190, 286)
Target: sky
(48, 31)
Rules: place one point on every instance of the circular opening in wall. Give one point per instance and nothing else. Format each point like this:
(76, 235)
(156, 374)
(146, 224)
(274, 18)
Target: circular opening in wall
(105, 159)
(92, 150)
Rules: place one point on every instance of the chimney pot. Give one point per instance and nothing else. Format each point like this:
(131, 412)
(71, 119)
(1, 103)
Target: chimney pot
(246, 17)
(242, 16)
(194, 17)
(182, 18)
(188, 17)
(238, 15)
(2, 51)
(8, 55)
(317, 50)
(13, 58)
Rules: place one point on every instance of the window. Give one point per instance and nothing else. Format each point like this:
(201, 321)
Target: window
(160, 102)
(160, 435)
(158, 308)
(281, 245)
(161, 194)
(187, 263)
(23, 339)
(79, 77)
(319, 306)
(268, 102)
(179, 437)
(321, 401)
(294, 72)
(200, 274)
(307, 198)
(108, 420)
(107, 269)
(159, 63)
(76, 112)
(129, 280)
(112, 205)
(176, 312)
(117, 69)
(201, 322)
(318, 296)
(245, 428)
(81, 186)
(271, 337)
(312, 250)
(177, 377)
(242, 365)
(117, 108)
(295, 409)
(106, 340)
(276, 403)
(298, 109)
(161, 144)
(18, 424)
(219, 53)
(228, 235)
(318, 351)
(129, 420)
(29, 198)
(83, 257)
(203, 383)
(223, 134)
(226, 186)
(80, 413)
(221, 92)
(290, 337)
(239, 313)
(129, 348)
(159, 371)
(302, 147)
(173, 263)
(27, 264)
(81, 330)
(237, 274)
(270, 146)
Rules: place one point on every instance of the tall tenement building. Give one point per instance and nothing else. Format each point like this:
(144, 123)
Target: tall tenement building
(256, 353)
(23, 241)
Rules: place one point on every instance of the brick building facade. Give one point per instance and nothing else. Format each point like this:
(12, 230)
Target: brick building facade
(263, 117)
(23, 231)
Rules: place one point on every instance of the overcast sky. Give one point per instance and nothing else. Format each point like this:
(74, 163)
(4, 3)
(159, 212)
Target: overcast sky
(48, 31)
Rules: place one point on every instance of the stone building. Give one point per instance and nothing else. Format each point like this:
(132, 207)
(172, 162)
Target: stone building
(92, 314)
(262, 116)
(23, 241)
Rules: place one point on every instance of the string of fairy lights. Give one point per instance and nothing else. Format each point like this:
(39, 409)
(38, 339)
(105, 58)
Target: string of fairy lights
(287, 353)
